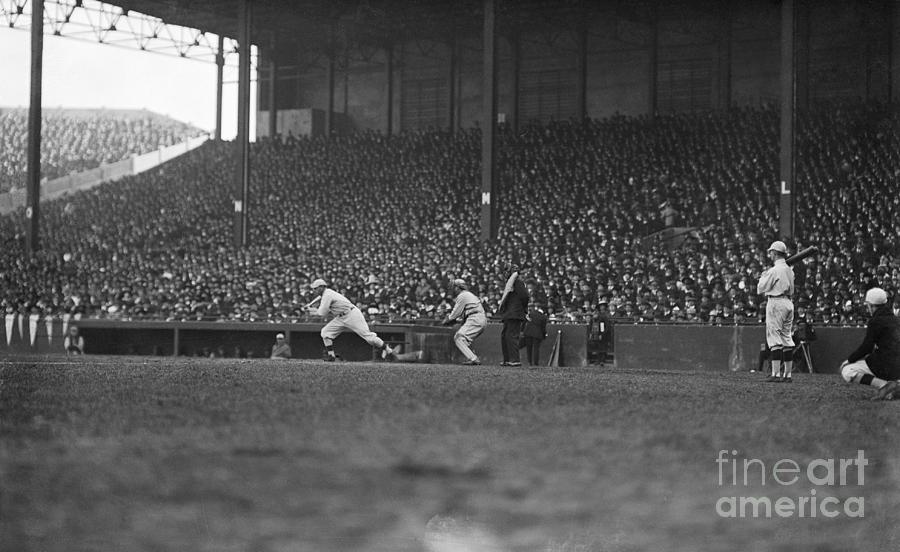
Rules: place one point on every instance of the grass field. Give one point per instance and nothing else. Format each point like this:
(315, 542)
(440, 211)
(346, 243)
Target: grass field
(151, 454)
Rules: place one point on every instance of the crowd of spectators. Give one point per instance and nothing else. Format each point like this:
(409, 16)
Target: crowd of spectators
(390, 222)
(79, 140)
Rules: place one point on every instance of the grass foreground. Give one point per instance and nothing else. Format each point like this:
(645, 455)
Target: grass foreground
(160, 454)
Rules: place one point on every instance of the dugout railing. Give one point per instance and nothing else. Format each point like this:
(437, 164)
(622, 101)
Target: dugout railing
(635, 345)
(233, 339)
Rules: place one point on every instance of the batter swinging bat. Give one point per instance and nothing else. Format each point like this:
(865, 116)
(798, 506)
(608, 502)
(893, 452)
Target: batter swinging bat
(800, 255)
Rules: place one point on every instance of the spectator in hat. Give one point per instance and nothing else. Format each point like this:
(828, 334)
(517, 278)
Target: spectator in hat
(74, 342)
(281, 349)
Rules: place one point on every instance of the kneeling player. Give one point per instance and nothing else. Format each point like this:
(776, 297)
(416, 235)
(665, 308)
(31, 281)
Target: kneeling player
(876, 362)
(470, 312)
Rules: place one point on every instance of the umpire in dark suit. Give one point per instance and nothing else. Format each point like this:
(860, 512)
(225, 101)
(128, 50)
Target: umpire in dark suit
(513, 308)
(535, 332)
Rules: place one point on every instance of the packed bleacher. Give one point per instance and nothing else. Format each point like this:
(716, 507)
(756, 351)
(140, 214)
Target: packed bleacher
(390, 221)
(73, 141)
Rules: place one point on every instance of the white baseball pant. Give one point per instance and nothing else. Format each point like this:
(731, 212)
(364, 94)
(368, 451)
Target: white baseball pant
(779, 322)
(855, 370)
(466, 334)
(351, 321)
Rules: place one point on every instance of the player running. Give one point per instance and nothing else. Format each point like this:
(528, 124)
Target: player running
(345, 317)
(468, 310)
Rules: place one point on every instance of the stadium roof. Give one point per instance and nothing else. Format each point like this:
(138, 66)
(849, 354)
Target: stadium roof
(353, 27)
(320, 24)
(290, 18)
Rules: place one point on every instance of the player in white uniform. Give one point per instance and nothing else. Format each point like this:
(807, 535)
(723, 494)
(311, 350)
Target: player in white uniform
(345, 317)
(777, 284)
(468, 310)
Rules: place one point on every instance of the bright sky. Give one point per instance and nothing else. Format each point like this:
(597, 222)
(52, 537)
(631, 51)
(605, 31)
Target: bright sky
(84, 74)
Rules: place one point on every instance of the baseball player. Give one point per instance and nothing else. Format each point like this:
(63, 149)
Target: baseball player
(345, 317)
(876, 362)
(468, 310)
(777, 284)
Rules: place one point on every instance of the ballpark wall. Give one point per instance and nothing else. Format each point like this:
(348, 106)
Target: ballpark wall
(719, 348)
(675, 347)
(24, 334)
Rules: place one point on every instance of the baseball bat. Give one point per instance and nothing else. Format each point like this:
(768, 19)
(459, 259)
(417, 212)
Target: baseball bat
(313, 302)
(800, 255)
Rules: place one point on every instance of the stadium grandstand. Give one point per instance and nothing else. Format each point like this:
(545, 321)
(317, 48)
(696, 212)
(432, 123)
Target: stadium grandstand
(656, 198)
(391, 223)
(76, 140)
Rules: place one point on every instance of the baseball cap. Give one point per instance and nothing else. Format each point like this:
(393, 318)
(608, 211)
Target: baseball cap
(876, 296)
(459, 282)
(279, 336)
(778, 246)
(318, 282)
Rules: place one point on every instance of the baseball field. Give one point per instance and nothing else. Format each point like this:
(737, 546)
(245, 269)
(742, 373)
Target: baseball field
(159, 454)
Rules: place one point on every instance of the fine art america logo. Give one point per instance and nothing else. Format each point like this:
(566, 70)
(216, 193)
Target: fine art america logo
(811, 487)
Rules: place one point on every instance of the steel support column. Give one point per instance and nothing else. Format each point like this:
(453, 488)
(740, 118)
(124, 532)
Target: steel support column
(389, 76)
(489, 124)
(725, 37)
(329, 112)
(273, 109)
(451, 84)
(345, 63)
(788, 99)
(457, 114)
(220, 76)
(802, 31)
(33, 185)
(894, 56)
(516, 47)
(653, 60)
(346, 71)
(242, 142)
(581, 75)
